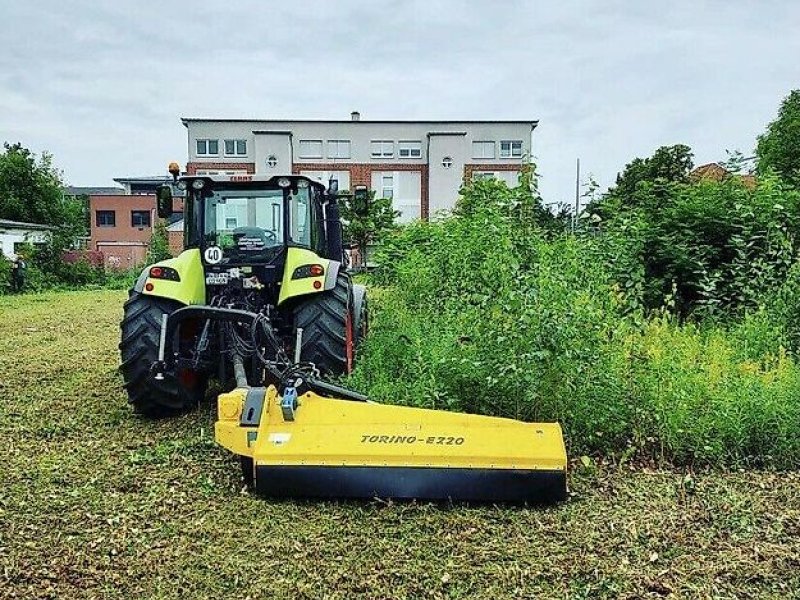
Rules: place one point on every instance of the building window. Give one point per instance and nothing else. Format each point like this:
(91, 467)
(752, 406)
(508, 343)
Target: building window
(106, 218)
(207, 147)
(482, 149)
(338, 148)
(511, 149)
(231, 223)
(387, 186)
(140, 218)
(310, 149)
(235, 147)
(447, 162)
(272, 161)
(482, 175)
(409, 149)
(382, 148)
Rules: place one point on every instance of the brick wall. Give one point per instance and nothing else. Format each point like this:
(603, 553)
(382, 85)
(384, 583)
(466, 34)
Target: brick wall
(123, 230)
(361, 174)
(192, 167)
(123, 245)
(175, 242)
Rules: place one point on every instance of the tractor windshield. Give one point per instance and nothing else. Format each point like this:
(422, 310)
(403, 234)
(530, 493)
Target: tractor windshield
(250, 225)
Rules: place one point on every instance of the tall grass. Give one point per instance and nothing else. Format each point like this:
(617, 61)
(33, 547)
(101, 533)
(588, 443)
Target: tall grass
(479, 314)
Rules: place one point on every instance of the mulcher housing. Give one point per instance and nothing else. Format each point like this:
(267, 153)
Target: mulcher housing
(335, 448)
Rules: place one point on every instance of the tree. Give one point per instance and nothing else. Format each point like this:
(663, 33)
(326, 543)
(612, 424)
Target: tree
(364, 229)
(779, 146)
(668, 164)
(30, 188)
(159, 244)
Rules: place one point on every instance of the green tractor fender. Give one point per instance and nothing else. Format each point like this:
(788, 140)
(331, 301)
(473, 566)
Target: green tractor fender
(298, 277)
(181, 279)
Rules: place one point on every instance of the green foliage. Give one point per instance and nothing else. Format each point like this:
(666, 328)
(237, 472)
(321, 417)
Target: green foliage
(5, 274)
(713, 247)
(668, 164)
(778, 147)
(31, 191)
(159, 244)
(522, 203)
(363, 229)
(487, 312)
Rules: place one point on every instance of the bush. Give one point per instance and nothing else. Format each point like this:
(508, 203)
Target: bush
(487, 312)
(713, 248)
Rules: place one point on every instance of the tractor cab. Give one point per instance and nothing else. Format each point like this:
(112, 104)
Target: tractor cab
(248, 219)
(248, 228)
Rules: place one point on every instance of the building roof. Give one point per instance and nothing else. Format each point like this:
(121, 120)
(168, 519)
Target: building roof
(532, 123)
(23, 225)
(176, 226)
(72, 190)
(717, 172)
(143, 180)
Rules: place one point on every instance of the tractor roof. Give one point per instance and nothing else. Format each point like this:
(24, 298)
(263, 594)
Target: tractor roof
(270, 180)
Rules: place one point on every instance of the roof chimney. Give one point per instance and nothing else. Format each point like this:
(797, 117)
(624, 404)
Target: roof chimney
(355, 116)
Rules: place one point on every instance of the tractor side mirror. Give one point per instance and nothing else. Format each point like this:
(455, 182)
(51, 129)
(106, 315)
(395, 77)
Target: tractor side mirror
(164, 201)
(361, 200)
(333, 186)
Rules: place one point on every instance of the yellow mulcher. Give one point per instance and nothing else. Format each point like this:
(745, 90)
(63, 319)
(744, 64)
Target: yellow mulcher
(259, 300)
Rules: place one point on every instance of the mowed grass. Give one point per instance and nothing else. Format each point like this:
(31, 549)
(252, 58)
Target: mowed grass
(97, 503)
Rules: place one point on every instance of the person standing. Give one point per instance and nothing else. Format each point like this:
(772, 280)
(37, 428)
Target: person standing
(18, 268)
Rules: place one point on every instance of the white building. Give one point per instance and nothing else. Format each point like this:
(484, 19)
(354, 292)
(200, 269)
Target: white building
(15, 233)
(419, 164)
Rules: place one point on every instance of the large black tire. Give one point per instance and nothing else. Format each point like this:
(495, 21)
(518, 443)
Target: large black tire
(141, 329)
(327, 322)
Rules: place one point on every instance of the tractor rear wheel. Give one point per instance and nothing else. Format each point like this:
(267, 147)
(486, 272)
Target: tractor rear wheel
(328, 328)
(141, 330)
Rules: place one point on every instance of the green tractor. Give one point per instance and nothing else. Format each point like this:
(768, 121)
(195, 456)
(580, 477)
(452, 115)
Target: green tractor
(259, 295)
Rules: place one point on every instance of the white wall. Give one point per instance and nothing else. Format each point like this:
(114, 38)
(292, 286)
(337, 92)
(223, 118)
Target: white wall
(324, 177)
(511, 178)
(445, 182)
(360, 134)
(9, 237)
(406, 192)
(264, 145)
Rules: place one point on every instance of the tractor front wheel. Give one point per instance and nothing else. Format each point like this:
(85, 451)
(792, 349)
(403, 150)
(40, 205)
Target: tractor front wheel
(141, 330)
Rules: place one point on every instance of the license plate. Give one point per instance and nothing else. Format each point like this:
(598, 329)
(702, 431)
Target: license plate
(217, 278)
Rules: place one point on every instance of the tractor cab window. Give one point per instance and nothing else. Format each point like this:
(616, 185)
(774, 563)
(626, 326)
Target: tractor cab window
(247, 226)
(300, 217)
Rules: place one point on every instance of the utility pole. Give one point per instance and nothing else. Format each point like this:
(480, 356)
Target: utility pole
(577, 195)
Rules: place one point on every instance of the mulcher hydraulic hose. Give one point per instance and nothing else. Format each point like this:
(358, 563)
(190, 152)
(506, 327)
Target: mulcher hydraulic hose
(292, 372)
(239, 372)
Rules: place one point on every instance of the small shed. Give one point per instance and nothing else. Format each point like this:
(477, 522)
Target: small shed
(15, 233)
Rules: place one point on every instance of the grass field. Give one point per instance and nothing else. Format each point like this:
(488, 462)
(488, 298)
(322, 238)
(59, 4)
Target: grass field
(96, 503)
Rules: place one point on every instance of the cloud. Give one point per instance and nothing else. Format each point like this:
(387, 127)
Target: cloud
(102, 85)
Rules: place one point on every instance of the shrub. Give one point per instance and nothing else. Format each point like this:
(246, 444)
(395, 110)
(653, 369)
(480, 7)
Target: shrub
(487, 312)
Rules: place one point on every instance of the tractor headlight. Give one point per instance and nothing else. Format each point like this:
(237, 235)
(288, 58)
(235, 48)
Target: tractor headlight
(198, 184)
(284, 182)
(302, 184)
(181, 185)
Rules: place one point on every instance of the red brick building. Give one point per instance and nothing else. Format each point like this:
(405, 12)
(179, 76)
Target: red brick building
(121, 228)
(122, 223)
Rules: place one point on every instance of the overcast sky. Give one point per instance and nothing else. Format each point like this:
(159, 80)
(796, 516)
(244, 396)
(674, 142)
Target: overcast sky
(101, 85)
